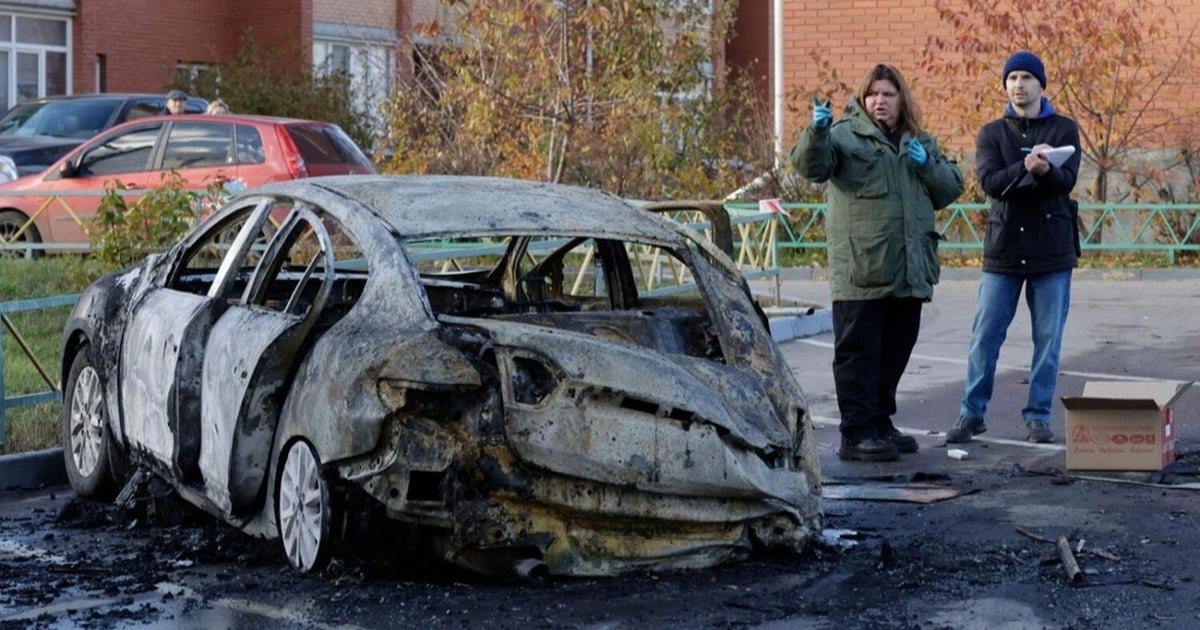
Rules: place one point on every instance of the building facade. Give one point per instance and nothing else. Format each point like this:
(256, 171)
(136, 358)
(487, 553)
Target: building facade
(50, 47)
(854, 35)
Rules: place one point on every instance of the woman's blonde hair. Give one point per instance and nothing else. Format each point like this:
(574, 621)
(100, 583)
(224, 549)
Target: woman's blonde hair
(217, 106)
(910, 115)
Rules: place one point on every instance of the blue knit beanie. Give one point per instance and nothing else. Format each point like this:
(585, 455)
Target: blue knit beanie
(1027, 61)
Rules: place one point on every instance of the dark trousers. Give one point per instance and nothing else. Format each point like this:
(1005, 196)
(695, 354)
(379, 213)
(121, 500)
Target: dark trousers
(873, 340)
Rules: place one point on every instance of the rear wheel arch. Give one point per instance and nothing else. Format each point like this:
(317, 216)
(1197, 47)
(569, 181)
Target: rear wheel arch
(77, 342)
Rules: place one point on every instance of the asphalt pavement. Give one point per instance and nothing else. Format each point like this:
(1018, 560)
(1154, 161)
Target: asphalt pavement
(982, 558)
(1124, 325)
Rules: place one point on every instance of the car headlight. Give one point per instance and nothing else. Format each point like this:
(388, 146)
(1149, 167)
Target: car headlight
(8, 169)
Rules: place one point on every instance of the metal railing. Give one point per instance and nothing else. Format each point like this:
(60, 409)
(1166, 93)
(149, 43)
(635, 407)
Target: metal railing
(758, 237)
(51, 380)
(15, 240)
(1167, 229)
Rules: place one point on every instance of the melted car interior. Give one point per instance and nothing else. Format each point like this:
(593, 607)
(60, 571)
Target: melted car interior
(629, 292)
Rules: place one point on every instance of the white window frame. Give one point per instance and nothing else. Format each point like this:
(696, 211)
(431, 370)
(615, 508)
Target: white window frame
(14, 48)
(371, 63)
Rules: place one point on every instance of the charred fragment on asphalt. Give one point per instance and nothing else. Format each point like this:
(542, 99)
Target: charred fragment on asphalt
(534, 378)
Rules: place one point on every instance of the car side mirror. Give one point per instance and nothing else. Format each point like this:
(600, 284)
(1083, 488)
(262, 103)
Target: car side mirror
(68, 170)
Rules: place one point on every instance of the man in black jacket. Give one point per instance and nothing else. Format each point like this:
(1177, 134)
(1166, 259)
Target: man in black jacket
(1031, 243)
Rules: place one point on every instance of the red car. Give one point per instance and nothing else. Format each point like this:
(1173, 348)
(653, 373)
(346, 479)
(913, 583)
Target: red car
(254, 150)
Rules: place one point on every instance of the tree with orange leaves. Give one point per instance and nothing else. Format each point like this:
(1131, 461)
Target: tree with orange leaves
(613, 94)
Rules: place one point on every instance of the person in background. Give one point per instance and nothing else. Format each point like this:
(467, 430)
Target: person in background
(217, 106)
(1031, 243)
(176, 102)
(886, 178)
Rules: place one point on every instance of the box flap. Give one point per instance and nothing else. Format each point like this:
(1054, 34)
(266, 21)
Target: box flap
(1085, 403)
(1161, 392)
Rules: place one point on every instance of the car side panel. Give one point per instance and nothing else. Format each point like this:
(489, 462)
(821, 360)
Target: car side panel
(149, 358)
(241, 365)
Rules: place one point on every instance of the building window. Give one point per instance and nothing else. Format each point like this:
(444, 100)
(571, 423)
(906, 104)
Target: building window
(368, 66)
(35, 57)
(190, 75)
(337, 59)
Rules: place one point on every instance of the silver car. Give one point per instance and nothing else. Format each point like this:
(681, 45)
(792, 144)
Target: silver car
(525, 377)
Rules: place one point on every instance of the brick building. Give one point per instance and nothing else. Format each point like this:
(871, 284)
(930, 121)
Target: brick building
(79, 46)
(857, 34)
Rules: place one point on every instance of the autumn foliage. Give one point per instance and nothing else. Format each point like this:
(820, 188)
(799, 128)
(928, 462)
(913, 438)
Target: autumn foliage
(1125, 70)
(611, 94)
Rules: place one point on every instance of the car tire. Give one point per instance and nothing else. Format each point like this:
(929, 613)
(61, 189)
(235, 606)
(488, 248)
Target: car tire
(87, 445)
(10, 222)
(304, 511)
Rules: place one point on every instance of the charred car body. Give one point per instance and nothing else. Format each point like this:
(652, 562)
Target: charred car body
(535, 377)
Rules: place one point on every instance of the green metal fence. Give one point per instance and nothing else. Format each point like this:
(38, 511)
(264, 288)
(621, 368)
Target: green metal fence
(50, 378)
(1167, 229)
(758, 237)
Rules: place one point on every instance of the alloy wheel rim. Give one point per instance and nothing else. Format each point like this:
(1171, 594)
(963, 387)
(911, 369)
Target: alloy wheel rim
(7, 231)
(301, 507)
(87, 422)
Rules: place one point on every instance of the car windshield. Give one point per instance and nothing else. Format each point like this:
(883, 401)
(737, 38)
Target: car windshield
(65, 119)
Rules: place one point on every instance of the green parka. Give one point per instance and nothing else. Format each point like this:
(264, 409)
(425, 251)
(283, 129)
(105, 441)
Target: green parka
(879, 224)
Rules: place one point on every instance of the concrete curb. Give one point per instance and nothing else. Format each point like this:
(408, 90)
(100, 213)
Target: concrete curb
(35, 469)
(786, 327)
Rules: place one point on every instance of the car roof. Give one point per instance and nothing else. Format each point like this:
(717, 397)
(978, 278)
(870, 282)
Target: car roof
(422, 206)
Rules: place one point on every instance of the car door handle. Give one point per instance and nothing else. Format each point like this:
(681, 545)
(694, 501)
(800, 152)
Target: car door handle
(129, 186)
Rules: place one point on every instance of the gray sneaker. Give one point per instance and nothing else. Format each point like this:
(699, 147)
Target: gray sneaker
(1040, 432)
(965, 429)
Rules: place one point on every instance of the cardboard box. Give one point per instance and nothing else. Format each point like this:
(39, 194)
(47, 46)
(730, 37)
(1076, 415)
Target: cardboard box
(1122, 425)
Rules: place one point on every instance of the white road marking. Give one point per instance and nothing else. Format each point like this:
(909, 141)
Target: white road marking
(826, 421)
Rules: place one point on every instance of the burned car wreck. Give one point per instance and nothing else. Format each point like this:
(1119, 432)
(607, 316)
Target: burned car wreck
(527, 376)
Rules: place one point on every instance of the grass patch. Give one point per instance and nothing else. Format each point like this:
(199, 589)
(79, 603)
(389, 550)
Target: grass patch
(36, 427)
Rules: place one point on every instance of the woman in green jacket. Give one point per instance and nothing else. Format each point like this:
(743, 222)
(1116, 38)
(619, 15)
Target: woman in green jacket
(886, 177)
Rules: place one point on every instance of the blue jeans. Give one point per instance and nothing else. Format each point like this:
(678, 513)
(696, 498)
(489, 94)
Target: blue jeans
(1049, 297)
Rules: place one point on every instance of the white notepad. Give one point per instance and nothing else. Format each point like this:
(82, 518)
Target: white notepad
(1058, 155)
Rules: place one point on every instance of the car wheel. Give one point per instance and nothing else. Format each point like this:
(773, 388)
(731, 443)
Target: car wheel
(87, 446)
(303, 509)
(11, 222)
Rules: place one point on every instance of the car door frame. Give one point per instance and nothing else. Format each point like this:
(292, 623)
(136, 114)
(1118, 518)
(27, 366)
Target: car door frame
(245, 384)
(163, 344)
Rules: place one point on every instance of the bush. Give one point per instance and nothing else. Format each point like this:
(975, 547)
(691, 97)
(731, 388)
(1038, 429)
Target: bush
(124, 233)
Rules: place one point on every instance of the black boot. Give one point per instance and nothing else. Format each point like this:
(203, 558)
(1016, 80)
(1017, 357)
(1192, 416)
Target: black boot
(868, 449)
(904, 443)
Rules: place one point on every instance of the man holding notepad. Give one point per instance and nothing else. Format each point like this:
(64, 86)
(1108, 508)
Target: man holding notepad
(1027, 162)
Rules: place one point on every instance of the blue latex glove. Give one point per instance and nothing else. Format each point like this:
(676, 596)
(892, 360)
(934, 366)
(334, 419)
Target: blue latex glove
(822, 114)
(917, 153)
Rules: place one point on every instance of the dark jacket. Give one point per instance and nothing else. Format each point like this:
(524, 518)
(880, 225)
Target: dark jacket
(1031, 228)
(879, 223)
